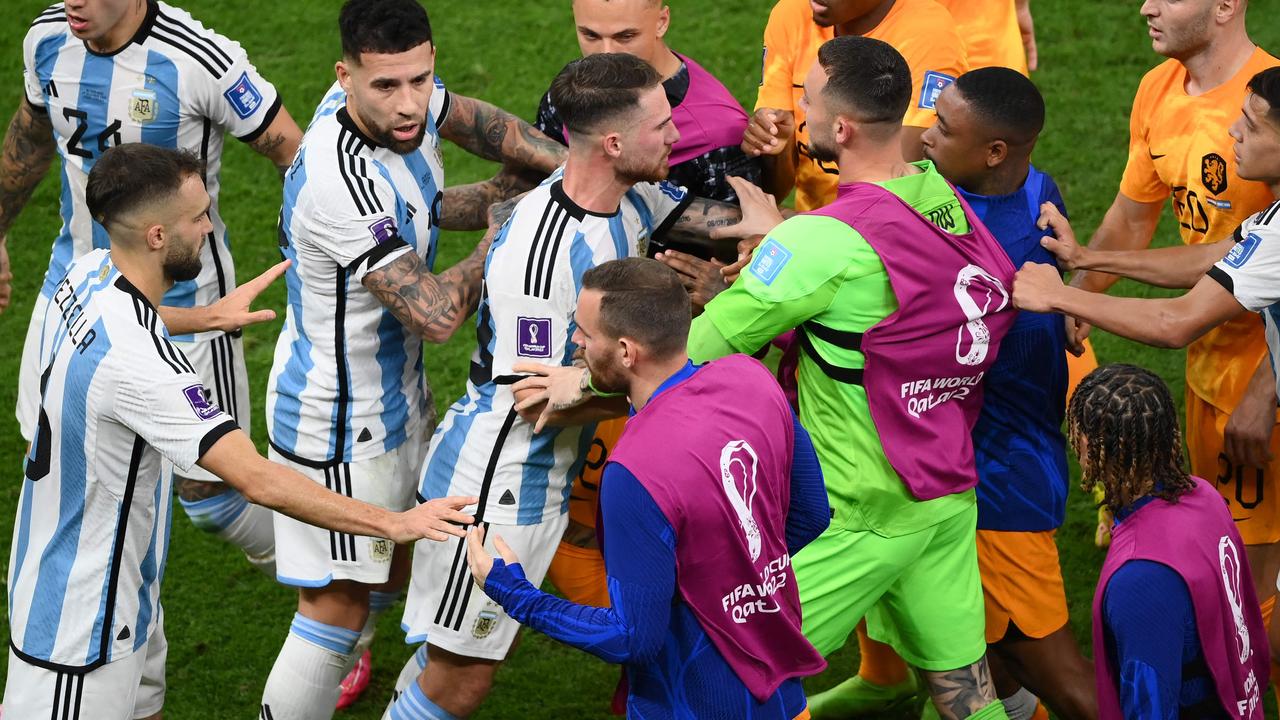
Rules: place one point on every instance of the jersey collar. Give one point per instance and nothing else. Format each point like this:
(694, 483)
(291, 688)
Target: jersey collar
(346, 121)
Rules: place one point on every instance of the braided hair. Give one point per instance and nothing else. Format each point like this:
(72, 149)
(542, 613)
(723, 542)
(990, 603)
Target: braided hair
(1126, 421)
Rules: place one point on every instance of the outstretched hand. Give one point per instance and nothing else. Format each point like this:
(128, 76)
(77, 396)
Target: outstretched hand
(1062, 243)
(479, 559)
(703, 279)
(1035, 287)
(437, 519)
(234, 312)
(760, 212)
(556, 387)
(768, 132)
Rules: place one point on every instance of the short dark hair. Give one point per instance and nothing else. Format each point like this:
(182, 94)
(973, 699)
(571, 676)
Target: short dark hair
(643, 299)
(382, 26)
(129, 176)
(1266, 85)
(868, 77)
(597, 88)
(1004, 100)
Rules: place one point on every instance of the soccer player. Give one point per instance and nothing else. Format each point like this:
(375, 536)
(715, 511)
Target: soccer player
(347, 402)
(119, 402)
(1179, 151)
(100, 74)
(901, 547)
(1176, 626)
(988, 122)
(606, 204)
(726, 503)
(922, 30)
(709, 118)
(999, 33)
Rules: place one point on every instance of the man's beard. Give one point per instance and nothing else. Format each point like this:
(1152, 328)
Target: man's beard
(182, 267)
(384, 137)
(821, 151)
(607, 378)
(634, 171)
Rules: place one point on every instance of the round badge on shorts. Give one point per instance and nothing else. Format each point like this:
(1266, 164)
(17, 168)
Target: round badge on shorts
(486, 621)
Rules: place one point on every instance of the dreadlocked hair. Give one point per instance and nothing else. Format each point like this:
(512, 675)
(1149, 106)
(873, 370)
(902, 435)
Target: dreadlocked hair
(1126, 419)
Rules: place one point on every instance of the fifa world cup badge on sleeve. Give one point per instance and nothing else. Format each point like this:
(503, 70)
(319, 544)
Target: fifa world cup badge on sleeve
(1242, 251)
(533, 337)
(244, 97)
(934, 83)
(198, 397)
(383, 229)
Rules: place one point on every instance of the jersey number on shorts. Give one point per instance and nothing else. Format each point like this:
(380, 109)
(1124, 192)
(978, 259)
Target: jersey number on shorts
(1229, 472)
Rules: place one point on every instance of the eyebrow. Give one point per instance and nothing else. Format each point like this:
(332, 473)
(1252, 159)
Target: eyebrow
(625, 31)
(664, 122)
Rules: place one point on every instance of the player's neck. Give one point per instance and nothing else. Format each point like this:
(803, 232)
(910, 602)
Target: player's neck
(122, 32)
(874, 163)
(1217, 63)
(646, 383)
(143, 272)
(1001, 180)
(667, 63)
(868, 22)
(592, 185)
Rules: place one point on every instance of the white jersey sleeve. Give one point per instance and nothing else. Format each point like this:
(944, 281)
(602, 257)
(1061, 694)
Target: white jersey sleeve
(440, 102)
(170, 410)
(659, 204)
(49, 21)
(239, 99)
(359, 232)
(1251, 270)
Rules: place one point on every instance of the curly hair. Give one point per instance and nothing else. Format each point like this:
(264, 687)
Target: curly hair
(1127, 423)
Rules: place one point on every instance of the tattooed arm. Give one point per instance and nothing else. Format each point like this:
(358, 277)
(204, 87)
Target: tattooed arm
(960, 693)
(28, 149)
(466, 207)
(431, 306)
(495, 134)
(279, 142)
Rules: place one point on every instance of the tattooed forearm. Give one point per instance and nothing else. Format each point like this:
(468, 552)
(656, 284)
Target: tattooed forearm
(495, 134)
(466, 207)
(197, 490)
(431, 306)
(701, 217)
(268, 144)
(963, 692)
(28, 150)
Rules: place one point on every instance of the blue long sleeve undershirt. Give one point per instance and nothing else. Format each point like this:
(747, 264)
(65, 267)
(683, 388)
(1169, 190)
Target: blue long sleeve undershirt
(647, 627)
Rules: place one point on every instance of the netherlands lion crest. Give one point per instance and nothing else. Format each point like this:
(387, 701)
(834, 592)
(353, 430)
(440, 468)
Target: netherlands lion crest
(1213, 173)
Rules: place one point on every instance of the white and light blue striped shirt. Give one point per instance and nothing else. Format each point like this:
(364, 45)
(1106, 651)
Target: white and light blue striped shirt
(347, 381)
(532, 278)
(175, 84)
(120, 406)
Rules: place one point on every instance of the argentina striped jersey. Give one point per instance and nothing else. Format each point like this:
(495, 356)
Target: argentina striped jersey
(175, 84)
(347, 382)
(532, 277)
(120, 407)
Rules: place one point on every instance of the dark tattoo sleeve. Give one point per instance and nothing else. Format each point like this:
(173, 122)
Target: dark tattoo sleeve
(466, 207)
(700, 217)
(197, 490)
(28, 149)
(963, 692)
(431, 306)
(495, 134)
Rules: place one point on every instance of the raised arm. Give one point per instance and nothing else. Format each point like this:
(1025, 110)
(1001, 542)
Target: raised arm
(1128, 225)
(28, 150)
(495, 134)
(466, 207)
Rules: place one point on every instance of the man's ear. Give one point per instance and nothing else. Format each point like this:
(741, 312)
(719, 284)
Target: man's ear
(997, 152)
(611, 144)
(156, 237)
(664, 21)
(845, 130)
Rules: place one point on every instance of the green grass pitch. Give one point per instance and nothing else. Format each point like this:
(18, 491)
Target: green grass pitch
(224, 621)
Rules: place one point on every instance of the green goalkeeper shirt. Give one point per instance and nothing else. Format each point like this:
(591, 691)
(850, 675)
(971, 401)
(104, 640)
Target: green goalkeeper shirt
(818, 268)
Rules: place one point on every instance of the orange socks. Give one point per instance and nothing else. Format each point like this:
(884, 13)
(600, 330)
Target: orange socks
(880, 665)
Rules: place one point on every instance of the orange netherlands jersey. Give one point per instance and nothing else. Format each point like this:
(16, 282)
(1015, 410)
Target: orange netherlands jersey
(585, 495)
(922, 30)
(1179, 148)
(989, 29)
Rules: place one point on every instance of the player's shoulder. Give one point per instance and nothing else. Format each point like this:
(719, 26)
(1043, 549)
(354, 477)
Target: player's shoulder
(792, 15)
(1161, 80)
(180, 36)
(50, 22)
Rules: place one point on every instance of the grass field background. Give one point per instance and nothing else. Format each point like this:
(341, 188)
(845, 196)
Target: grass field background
(224, 621)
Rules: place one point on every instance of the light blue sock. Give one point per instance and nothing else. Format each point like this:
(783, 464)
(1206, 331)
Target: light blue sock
(415, 705)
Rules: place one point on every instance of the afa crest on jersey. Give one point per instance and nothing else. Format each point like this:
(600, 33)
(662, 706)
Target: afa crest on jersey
(144, 106)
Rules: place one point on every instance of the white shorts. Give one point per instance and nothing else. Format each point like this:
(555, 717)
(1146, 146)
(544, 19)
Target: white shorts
(132, 687)
(219, 362)
(446, 607)
(308, 556)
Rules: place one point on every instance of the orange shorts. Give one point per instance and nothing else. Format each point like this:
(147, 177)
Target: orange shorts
(1021, 583)
(578, 573)
(1252, 493)
(1078, 367)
